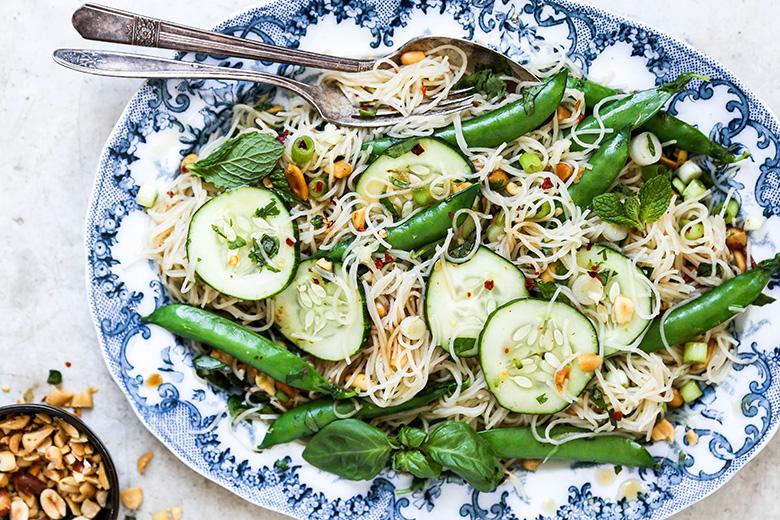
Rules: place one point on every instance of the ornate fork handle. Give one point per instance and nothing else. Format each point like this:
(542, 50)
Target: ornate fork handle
(96, 22)
(135, 66)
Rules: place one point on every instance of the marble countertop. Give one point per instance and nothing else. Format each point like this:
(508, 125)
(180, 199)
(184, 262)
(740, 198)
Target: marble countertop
(53, 124)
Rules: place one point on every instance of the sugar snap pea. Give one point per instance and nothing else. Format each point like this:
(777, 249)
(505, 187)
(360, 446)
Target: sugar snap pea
(501, 125)
(664, 125)
(633, 109)
(520, 443)
(429, 225)
(309, 418)
(606, 165)
(711, 308)
(244, 345)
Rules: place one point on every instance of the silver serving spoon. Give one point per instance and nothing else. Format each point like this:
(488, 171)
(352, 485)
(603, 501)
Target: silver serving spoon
(96, 22)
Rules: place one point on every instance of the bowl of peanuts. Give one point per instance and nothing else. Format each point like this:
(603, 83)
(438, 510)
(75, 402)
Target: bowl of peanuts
(52, 466)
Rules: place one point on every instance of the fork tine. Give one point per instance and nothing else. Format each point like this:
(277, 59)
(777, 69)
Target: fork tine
(463, 102)
(394, 117)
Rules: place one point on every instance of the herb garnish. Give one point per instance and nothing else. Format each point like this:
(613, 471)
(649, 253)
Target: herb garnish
(318, 221)
(267, 248)
(484, 79)
(270, 210)
(243, 160)
(55, 377)
(635, 211)
(232, 244)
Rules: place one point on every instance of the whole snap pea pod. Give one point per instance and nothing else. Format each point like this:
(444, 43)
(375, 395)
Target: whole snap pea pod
(606, 165)
(633, 109)
(309, 418)
(429, 225)
(243, 344)
(666, 126)
(501, 125)
(711, 308)
(520, 443)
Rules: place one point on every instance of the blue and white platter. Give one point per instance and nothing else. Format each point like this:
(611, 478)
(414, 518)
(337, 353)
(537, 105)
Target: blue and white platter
(167, 120)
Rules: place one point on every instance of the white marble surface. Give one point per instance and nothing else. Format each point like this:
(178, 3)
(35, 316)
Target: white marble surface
(53, 124)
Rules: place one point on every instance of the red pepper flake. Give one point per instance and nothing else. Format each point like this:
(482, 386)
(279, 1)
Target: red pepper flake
(170, 194)
(302, 145)
(529, 284)
(388, 258)
(468, 294)
(378, 263)
(589, 246)
(44, 398)
(424, 90)
(283, 136)
(290, 242)
(594, 274)
(547, 183)
(318, 186)
(595, 267)
(580, 118)
(450, 214)
(67, 364)
(506, 350)
(417, 149)
(489, 284)
(616, 415)
(315, 280)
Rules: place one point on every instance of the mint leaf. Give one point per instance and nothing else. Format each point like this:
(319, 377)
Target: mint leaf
(632, 208)
(483, 80)
(243, 160)
(654, 199)
(609, 208)
(267, 248)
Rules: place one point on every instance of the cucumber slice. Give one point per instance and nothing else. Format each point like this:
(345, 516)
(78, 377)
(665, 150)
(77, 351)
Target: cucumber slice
(459, 298)
(405, 173)
(522, 348)
(322, 313)
(244, 243)
(612, 286)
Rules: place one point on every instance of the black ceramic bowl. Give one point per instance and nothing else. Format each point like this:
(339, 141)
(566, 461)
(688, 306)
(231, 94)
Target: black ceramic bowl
(111, 511)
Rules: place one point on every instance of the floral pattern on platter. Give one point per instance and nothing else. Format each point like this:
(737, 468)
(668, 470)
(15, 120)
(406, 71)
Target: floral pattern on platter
(167, 120)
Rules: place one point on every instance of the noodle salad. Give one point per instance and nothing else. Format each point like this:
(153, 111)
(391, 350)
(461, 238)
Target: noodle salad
(546, 274)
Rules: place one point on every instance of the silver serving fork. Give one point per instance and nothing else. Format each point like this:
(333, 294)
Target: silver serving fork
(327, 99)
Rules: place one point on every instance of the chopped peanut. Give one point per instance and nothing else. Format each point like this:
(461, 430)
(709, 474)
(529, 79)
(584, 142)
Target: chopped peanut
(380, 309)
(739, 259)
(460, 187)
(132, 498)
(512, 188)
(412, 57)
(677, 400)
(360, 382)
(359, 219)
(736, 238)
(176, 512)
(547, 275)
(562, 378)
(680, 155)
(58, 397)
(190, 159)
(143, 460)
(161, 515)
(663, 430)
(275, 109)
(530, 464)
(668, 162)
(266, 384)
(693, 437)
(233, 260)
(154, 380)
(297, 182)
(324, 263)
(589, 362)
(624, 309)
(563, 112)
(82, 399)
(498, 179)
(341, 169)
(563, 171)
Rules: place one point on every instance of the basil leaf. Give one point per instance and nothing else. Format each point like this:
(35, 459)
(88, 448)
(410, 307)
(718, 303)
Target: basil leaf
(762, 300)
(414, 462)
(385, 201)
(547, 289)
(318, 221)
(463, 345)
(205, 362)
(243, 160)
(55, 377)
(654, 199)
(349, 448)
(411, 437)
(458, 447)
(236, 405)
(705, 269)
